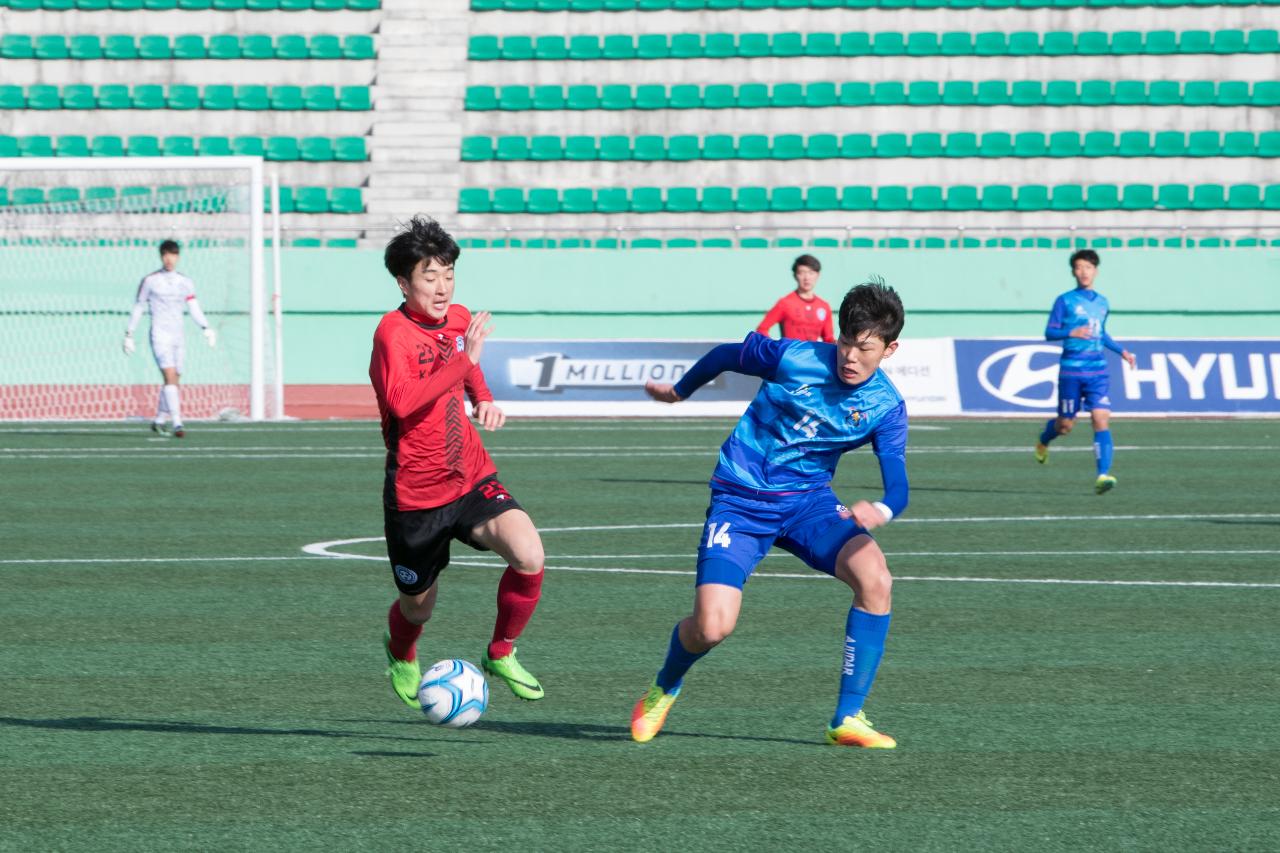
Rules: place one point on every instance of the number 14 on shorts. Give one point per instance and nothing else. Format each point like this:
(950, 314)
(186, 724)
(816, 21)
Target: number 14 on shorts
(718, 534)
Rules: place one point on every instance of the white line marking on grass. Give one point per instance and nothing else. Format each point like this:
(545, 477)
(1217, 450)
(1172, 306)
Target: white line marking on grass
(71, 561)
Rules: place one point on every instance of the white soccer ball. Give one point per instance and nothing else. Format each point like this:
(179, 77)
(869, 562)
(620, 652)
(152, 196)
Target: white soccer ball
(453, 693)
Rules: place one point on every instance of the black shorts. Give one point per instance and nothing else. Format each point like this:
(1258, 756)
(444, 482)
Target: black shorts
(418, 539)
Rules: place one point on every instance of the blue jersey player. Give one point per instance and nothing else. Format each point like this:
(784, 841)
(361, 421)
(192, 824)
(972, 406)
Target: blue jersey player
(772, 486)
(1079, 320)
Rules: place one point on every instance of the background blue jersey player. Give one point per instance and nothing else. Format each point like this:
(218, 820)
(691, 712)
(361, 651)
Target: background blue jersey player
(1079, 320)
(772, 485)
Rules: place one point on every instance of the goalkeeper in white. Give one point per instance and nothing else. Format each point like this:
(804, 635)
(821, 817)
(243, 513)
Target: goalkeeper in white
(166, 293)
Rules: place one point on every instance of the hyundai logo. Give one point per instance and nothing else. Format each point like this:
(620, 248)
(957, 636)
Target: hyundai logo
(1008, 375)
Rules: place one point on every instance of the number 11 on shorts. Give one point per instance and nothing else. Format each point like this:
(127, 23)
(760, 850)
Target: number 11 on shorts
(718, 534)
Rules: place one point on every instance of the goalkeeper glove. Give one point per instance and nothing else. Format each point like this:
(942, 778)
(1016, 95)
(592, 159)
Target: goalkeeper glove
(211, 336)
(128, 344)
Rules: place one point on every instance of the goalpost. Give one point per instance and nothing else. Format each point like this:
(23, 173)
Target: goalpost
(77, 235)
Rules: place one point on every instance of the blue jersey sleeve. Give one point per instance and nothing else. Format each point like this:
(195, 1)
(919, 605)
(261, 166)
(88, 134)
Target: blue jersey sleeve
(890, 445)
(1057, 329)
(757, 355)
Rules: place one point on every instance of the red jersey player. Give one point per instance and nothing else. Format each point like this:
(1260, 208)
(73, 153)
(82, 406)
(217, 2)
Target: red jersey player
(803, 314)
(440, 483)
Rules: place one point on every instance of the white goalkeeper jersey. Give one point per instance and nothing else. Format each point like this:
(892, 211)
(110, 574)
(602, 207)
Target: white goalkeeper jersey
(166, 295)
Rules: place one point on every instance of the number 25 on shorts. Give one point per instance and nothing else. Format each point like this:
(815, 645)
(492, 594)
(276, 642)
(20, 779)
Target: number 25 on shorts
(718, 534)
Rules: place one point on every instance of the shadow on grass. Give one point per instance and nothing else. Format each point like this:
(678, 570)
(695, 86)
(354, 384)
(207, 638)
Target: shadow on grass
(591, 731)
(103, 724)
(370, 753)
(1246, 522)
(702, 482)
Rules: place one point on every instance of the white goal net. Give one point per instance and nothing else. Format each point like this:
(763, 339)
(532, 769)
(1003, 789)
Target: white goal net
(77, 235)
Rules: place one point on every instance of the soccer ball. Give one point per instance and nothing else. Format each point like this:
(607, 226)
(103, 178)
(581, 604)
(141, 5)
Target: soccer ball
(453, 693)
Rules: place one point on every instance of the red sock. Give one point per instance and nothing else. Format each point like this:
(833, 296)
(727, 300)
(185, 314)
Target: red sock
(518, 595)
(404, 634)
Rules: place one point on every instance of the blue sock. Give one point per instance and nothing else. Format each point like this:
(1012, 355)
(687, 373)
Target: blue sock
(864, 635)
(679, 659)
(1050, 431)
(1103, 450)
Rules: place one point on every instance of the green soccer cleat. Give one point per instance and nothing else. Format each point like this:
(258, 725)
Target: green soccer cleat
(519, 679)
(1104, 483)
(405, 676)
(857, 731)
(1042, 453)
(650, 713)
(160, 428)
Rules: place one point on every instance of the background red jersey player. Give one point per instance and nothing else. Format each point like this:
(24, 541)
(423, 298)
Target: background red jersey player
(440, 483)
(804, 315)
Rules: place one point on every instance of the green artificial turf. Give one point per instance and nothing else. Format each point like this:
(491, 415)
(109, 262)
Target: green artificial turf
(176, 673)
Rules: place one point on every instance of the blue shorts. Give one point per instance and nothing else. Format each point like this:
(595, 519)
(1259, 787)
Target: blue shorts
(1095, 391)
(740, 530)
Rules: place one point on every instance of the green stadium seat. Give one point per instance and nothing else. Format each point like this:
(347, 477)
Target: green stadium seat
(577, 200)
(751, 200)
(104, 146)
(1199, 93)
(580, 148)
(683, 148)
(615, 148)
(353, 98)
(1060, 93)
(888, 44)
(931, 243)
(926, 145)
(544, 98)
(961, 144)
(218, 97)
(79, 96)
(825, 243)
(1271, 199)
(43, 97)
(786, 95)
(1023, 43)
(889, 93)
(720, 46)
(103, 194)
(475, 200)
(82, 47)
(143, 146)
(1093, 43)
(1263, 41)
(788, 146)
(923, 44)
(1266, 93)
(1230, 41)
(822, 146)
(148, 96)
(1238, 143)
(249, 146)
(1208, 197)
(998, 197)
(63, 195)
(892, 145)
(257, 47)
(1137, 197)
(483, 48)
(1065, 143)
(820, 95)
(252, 97)
(51, 47)
(508, 200)
(682, 200)
(855, 93)
(719, 146)
(512, 148)
(544, 148)
(786, 199)
(517, 48)
(1204, 143)
(1160, 42)
(646, 200)
(1027, 93)
(1099, 143)
(1096, 93)
(37, 146)
(119, 47)
(514, 98)
(686, 46)
(960, 43)
(787, 44)
(1161, 93)
(1129, 92)
(350, 149)
(179, 146)
(617, 47)
(1244, 197)
(822, 198)
(584, 47)
(26, 195)
(994, 93)
(652, 46)
(182, 97)
(1058, 43)
(855, 44)
(649, 148)
(753, 146)
(355, 46)
(654, 243)
(789, 243)
(481, 98)
(1173, 197)
(583, 98)
(1067, 197)
(750, 45)
(1269, 143)
(1126, 42)
(716, 200)
(892, 197)
(477, 148)
(1032, 197)
(963, 197)
(1030, 144)
(214, 146)
(996, 144)
(543, 201)
(858, 198)
(224, 46)
(9, 146)
(857, 145)
(1195, 41)
(189, 47)
(1169, 143)
(346, 200)
(750, 96)
(714, 97)
(651, 97)
(14, 46)
(283, 148)
(1232, 93)
(923, 93)
(821, 44)
(958, 93)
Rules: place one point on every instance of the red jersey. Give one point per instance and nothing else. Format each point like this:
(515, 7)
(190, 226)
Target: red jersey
(802, 320)
(419, 372)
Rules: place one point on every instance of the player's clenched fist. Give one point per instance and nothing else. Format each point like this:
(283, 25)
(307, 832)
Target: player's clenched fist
(128, 345)
(490, 416)
(662, 392)
(477, 331)
(211, 336)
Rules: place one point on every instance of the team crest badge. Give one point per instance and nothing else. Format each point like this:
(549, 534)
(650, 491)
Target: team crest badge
(822, 313)
(856, 416)
(458, 341)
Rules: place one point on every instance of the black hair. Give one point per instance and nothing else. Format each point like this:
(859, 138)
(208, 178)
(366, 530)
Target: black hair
(422, 238)
(1084, 255)
(872, 309)
(169, 247)
(806, 261)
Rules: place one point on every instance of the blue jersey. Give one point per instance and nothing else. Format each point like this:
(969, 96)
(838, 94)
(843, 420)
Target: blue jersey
(804, 418)
(1073, 309)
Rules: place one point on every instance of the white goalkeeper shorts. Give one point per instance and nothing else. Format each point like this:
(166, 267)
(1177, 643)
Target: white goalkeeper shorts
(168, 352)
